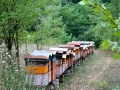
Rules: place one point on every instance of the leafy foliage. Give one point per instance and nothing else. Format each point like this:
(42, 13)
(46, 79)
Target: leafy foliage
(15, 17)
(113, 7)
(18, 20)
(13, 78)
(76, 18)
(105, 45)
(50, 29)
(113, 42)
(117, 88)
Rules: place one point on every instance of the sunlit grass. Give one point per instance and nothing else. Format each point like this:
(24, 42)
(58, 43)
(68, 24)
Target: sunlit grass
(94, 73)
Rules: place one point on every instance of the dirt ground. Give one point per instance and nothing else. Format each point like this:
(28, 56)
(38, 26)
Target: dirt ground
(99, 72)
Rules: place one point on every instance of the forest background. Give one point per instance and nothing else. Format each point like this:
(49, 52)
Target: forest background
(53, 22)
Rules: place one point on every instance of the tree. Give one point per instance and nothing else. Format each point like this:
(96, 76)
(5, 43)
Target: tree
(113, 7)
(75, 1)
(76, 18)
(49, 28)
(112, 44)
(16, 16)
(104, 1)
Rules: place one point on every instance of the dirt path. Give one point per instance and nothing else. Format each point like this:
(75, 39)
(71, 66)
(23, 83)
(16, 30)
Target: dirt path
(104, 67)
(92, 69)
(99, 74)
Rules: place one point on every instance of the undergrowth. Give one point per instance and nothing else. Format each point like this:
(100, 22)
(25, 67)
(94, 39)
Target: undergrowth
(12, 77)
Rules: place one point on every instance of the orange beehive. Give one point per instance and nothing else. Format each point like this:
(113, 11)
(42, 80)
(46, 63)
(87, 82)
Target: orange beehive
(53, 74)
(57, 70)
(81, 51)
(77, 50)
(53, 64)
(36, 69)
(64, 61)
(69, 62)
(70, 54)
(37, 62)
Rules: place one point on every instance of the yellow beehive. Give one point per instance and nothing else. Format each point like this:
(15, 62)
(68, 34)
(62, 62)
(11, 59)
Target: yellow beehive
(36, 69)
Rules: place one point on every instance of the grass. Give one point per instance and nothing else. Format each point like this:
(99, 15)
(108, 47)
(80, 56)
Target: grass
(112, 75)
(79, 78)
(99, 72)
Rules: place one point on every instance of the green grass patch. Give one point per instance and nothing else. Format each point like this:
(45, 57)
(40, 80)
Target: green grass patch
(95, 73)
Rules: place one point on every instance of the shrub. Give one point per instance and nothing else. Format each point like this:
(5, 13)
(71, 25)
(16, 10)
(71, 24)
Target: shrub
(98, 85)
(12, 77)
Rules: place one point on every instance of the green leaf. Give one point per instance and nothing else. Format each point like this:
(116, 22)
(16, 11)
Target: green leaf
(112, 26)
(99, 7)
(114, 48)
(92, 4)
(117, 34)
(117, 56)
(107, 13)
(96, 10)
(105, 45)
(105, 18)
(85, 1)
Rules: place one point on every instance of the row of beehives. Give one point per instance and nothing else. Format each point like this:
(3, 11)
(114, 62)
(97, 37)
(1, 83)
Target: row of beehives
(48, 67)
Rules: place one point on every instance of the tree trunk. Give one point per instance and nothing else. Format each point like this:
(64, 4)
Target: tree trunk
(17, 49)
(16, 42)
(8, 43)
(9, 47)
(37, 44)
(26, 46)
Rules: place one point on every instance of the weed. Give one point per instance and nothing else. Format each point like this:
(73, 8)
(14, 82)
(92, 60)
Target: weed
(116, 88)
(98, 85)
(13, 78)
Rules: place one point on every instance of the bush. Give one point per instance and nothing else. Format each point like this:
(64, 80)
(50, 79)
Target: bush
(12, 77)
(98, 85)
(117, 88)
